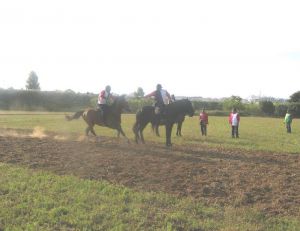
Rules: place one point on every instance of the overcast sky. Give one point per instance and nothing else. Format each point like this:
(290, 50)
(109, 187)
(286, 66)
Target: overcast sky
(212, 48)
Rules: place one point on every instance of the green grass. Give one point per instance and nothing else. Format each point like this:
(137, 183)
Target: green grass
(35, 200)
(31, 200)
(267, 134)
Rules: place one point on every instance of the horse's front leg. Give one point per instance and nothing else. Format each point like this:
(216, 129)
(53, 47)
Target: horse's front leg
(87, 130)
(178, 133)
(169, 127)
(142, 136)
(141, 129)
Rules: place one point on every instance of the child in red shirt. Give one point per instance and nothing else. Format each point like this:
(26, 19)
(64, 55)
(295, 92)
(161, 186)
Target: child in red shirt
(203, 118)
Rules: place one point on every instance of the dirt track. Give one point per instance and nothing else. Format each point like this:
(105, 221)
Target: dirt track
(267, 181)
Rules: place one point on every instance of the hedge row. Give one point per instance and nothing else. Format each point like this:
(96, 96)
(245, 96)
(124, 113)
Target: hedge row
(71, 101)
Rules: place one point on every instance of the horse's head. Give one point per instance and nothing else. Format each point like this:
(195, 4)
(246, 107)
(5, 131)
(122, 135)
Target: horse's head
(122, 104)
(183, 107)
(189, 107)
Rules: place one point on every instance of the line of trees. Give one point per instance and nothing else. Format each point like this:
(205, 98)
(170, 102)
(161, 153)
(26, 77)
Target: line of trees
(34, 99)
(70, 101)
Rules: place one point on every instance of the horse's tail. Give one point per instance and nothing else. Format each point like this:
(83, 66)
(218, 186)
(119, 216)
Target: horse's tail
(75, 116)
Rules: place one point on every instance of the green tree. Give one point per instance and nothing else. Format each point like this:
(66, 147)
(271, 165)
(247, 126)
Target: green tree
(139, 93)
(295, 97)
(233, 102)
(267, 107)
(32, 82)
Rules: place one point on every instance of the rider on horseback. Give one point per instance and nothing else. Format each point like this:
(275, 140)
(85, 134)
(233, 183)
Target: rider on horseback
(161, 97)
(105, 98)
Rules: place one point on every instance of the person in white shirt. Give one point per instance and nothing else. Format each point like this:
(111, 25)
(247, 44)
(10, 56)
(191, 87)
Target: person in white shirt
(234, 121)
(161, 97)
(104, 99)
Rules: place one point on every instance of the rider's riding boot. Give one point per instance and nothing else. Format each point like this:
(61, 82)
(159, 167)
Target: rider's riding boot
(105, 121)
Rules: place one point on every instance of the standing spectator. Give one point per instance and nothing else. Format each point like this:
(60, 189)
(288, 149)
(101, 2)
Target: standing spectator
(234, 120)
(203, 118)
(288, 121)
(173, 98)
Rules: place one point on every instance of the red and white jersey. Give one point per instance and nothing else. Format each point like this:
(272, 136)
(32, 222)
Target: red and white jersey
(104, 97)
(164, 94)
(234, 119)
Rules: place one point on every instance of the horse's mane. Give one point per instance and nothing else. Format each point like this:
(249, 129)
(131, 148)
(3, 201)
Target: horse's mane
(179, 102)
(118, 99)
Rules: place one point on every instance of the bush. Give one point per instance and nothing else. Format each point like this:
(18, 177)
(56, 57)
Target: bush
(294, 108)
(280, 110)
(267, 107)
(253, 109)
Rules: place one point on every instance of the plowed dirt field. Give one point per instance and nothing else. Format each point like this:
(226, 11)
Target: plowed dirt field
(267, 181)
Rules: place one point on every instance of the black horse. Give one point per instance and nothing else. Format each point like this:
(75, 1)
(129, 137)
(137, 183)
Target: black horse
(92, 116)
(155, 125)
(171, 113)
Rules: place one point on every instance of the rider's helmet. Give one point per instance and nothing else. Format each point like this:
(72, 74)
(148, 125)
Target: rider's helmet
(107, 88)
(158, 87)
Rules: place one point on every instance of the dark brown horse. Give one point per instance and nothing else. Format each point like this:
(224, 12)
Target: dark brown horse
(171, 113)
(155, 125)
(92, 116)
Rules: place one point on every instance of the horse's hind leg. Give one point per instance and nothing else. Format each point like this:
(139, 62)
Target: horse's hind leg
(155, 127)
(142, 137)
(141, 132)
(93, 131)
(120, 130)
(179, 125)
(90, 129)
(135, 130)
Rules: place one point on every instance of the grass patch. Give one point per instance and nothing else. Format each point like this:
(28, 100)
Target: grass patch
(35, 200)
(256, 133)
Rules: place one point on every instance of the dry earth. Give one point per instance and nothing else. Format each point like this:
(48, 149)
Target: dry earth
(267, 181)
